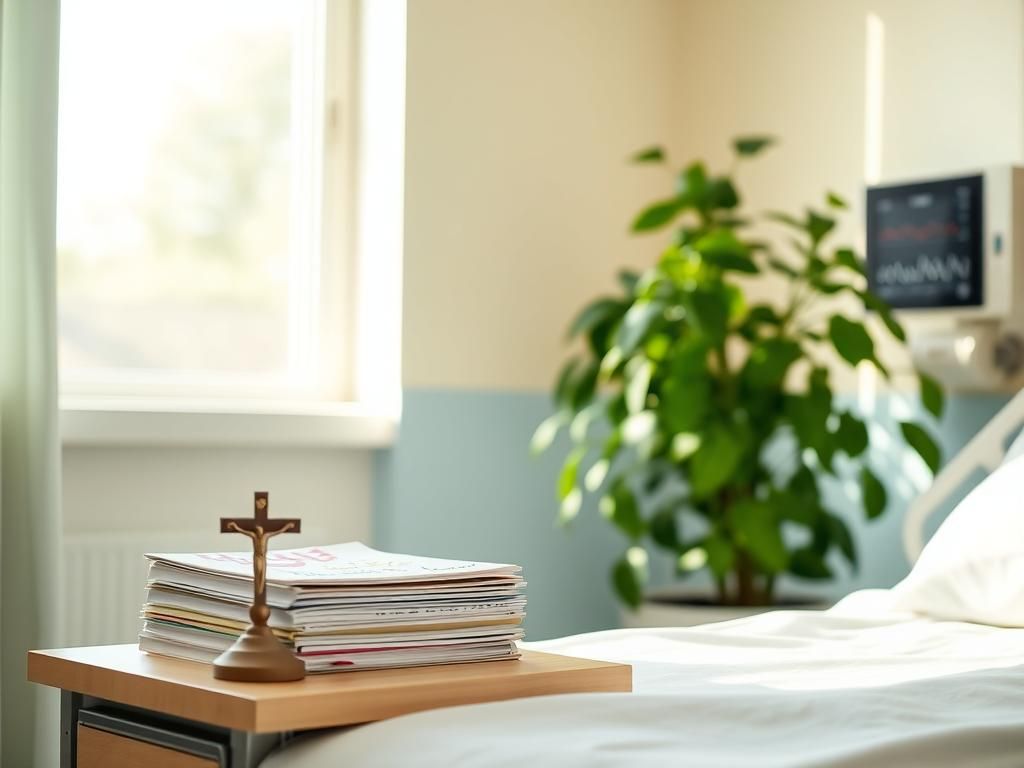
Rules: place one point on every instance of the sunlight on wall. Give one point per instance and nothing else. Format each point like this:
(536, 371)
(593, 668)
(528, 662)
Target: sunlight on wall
(874, 84)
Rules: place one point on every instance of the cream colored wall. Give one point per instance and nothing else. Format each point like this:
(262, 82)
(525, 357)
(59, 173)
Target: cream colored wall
(953, 93)
(520, 115)
(519, 118)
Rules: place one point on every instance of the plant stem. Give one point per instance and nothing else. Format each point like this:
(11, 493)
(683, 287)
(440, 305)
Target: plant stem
(745, 584)
(722, 589)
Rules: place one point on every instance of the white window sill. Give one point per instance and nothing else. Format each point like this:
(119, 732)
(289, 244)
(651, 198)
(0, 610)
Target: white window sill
(105, 421)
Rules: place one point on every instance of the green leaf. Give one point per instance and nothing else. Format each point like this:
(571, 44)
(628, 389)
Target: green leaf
(839, 532)
(580, 424)
(726, 261)
(845, 257)
(628, 581)
(684, 445)
(615, 410)
(735, 300)
(884, 311)
(851, 340)
(657, 215)
(650, 155)
(816, 268)
(628, 280)
(809, 412)
(782, 267)
(785, 218)
(685, 403)
(922, 442)
(720, 554)
(638, 427)
(570, 470)
(787, 506)
(611, 365)
(827, 287)
(690, 357)
(596, 474)
(709, 312)
(762, 314)
(570, 507)
(756, 528)
(818, 226)
(748, 146)
(894, 327)
(931, 395)
(620, 506)
(806, 563)
(665, 527)
(583, 385)
(804, 486)
(722, 194)
(657, 347)
(594, 314)
(852, 435)
(636, 323)
(693, 185)
(638, 382)
(874, 493)
(835, 201)
(654, 474)
(545, 433)
(565, 385)
(724, 250)
(716, 460)
(768, 362)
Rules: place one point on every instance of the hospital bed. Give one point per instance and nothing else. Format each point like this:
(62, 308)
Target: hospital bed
(930, 672)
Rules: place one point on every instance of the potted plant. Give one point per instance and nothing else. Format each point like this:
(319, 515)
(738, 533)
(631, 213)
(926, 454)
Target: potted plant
(704, 420)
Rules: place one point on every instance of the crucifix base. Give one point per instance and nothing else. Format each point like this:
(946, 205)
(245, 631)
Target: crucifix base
(258, 657)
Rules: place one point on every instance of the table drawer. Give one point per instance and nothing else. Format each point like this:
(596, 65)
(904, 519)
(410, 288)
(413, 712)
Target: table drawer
(100, 749)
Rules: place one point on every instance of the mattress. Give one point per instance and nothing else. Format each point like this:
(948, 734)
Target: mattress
(857, 685)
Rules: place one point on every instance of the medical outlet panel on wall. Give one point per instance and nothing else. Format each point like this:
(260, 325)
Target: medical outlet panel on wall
(948, 255)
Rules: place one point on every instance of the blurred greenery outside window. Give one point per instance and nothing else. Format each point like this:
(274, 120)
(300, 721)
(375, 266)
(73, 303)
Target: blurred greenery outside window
(192, 254)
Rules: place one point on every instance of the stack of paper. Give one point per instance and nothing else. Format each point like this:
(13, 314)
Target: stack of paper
(340, 607)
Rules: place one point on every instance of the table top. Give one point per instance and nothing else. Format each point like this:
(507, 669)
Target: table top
(124, 674)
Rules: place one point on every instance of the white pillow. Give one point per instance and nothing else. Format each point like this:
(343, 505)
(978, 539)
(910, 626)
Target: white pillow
(973, 567)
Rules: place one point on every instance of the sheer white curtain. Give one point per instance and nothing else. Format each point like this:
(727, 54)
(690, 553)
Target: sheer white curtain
(30, 540)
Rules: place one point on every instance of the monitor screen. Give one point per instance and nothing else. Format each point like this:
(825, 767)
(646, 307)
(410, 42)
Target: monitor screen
(925, 243)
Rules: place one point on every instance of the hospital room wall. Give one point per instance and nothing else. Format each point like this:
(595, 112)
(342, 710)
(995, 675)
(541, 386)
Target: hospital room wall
(519, 120)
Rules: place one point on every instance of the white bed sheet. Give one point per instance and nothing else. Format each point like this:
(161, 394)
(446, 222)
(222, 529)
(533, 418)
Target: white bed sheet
(858, 685)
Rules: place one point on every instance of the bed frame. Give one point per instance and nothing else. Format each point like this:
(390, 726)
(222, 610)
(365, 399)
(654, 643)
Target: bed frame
(985, 451)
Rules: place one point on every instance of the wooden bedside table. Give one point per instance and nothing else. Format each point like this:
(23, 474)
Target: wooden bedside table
(121, 707)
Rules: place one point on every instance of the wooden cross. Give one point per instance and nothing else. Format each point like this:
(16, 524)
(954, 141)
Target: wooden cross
(259, 522)
(257, 656)
(260, 528)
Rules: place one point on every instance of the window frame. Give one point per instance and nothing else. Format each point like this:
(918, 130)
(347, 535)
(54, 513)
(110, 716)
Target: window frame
(360, 286)
(321, 261)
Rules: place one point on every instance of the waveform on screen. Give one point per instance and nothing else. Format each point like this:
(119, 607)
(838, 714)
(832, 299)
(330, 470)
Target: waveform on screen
(927, 269)
(928, 231)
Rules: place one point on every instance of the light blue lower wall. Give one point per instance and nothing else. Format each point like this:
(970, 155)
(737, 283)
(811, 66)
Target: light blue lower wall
(459, 483)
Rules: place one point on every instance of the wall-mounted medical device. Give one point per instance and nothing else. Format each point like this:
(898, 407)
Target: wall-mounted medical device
(948, 254)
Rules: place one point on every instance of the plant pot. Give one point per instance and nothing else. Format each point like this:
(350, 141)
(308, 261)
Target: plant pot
(676, 607)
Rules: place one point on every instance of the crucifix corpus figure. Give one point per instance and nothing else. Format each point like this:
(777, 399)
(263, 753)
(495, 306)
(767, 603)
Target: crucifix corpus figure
(258, 656)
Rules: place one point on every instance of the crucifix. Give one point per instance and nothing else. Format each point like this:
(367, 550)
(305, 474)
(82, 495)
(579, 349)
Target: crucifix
(258, 656)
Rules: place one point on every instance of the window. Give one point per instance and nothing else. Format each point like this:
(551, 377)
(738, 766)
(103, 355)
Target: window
(204, 204)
